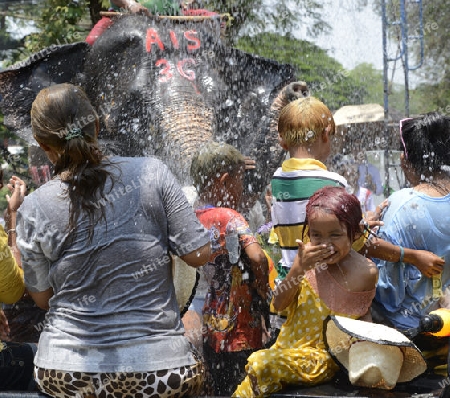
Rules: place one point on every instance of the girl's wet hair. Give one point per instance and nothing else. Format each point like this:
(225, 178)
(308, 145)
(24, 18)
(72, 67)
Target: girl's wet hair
(302, 121)
(427, 142)
(344, 206)
(63, 119)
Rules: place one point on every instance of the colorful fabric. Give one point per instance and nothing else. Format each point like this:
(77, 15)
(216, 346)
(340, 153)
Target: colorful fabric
(273, 274)
(299, 355)
(420, 222)
(231, 314)
(292, 186)
(271, 250)
(11, 281)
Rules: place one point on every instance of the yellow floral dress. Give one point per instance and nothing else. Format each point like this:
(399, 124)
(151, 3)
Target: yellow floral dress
(299, 355)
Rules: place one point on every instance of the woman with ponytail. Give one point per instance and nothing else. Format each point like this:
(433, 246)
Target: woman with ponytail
(95, 244)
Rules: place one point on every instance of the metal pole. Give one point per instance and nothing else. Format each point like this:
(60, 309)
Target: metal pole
(404, 30)
(384, 28)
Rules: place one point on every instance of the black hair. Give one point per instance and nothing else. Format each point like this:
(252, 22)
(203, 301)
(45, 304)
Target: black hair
(427, 142)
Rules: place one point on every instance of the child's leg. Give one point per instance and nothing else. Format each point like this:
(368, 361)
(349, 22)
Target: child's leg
(269, 370)
(261, 380)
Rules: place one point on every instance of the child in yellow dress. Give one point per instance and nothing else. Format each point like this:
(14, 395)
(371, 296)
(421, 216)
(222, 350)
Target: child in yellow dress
(327, 277)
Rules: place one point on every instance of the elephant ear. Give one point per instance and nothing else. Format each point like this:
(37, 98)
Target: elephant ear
(245, 113)
(20, 83)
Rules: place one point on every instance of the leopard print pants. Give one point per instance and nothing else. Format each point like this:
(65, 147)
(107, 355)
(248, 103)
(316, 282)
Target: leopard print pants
(171, 383)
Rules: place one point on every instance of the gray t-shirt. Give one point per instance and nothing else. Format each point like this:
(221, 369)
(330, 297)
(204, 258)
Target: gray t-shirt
(114, 307)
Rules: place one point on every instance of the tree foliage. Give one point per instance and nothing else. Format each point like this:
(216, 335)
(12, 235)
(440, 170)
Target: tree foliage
(58, 21)
(58, 24)
(372, 79)
(435, 70)
(326, 77)
(255, 16)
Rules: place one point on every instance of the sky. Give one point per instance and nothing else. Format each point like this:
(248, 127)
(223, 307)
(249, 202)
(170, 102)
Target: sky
(356, 36)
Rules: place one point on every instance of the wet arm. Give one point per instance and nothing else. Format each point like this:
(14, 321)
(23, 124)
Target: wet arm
(426, 262)
(11, 230)
(308, 256)
(260, 268)
(17, 191)
(198, 257)
(42, 298)
(289, 287)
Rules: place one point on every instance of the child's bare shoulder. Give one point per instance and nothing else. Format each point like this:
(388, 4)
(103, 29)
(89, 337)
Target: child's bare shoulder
(365, 268)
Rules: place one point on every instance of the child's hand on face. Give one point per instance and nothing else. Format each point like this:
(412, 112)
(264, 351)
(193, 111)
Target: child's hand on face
(315, 255)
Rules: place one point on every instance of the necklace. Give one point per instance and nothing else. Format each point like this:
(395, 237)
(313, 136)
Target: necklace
(343, 275)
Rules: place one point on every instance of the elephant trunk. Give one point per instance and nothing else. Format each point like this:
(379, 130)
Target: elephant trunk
(184, 130)
(289, 93)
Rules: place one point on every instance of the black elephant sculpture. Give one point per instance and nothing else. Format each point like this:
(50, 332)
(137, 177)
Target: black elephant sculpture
(163, 88)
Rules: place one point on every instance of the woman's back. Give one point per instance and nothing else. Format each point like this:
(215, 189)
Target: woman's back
(95, 247)
(113, 295)
(418, 221)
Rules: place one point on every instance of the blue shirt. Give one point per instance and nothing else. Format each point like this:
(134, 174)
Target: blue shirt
(416, 221)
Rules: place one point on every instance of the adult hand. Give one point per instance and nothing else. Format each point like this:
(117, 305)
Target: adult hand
(426, 262)
(4, 327)
(136, 8)
(374, 219)
(18, 190)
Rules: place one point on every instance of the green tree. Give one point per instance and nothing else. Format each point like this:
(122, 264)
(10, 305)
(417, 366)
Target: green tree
(11, 15)
(366, 75)
(326, 77)
(250, 17)
(58, 23)
(434, 92)
(435, 70)
(55, 22)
